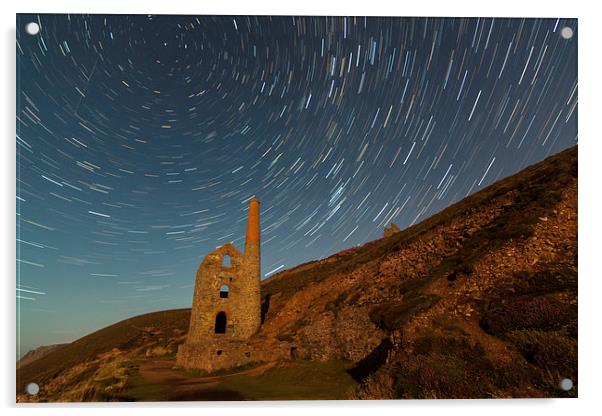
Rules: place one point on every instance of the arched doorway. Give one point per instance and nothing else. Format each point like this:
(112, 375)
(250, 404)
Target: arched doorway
(220, 323)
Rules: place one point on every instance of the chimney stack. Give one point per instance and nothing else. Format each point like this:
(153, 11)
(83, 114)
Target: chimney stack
(253, 232)
(252, 270)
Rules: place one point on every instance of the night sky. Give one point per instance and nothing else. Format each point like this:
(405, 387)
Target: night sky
(140, 140)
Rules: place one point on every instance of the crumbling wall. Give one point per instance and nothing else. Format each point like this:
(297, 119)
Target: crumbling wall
(207, 303)
(392, 229)
(223, 353)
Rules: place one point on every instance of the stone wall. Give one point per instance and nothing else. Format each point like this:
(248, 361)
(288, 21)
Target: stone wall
(207, 303)
(223, 353)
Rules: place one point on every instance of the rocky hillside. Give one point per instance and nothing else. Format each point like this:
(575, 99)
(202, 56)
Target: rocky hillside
(479, 300)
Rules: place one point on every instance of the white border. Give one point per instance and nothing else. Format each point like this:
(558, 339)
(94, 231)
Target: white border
(589, 195)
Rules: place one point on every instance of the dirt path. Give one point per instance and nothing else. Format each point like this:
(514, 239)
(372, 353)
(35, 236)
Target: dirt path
(184, 387)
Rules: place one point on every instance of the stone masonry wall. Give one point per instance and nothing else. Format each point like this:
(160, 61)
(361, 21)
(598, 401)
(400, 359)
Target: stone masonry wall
(207, 303)
(223, 353)
(242, 306)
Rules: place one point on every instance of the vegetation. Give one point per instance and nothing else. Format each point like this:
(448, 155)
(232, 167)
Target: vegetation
(296, 380)
(450, 367)
(124, 335)
(547, 350)
(529, 316)
(140, 389)
(444, 367)
(540, 313)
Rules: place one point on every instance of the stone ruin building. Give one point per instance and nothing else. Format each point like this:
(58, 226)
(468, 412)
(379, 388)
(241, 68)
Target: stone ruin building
(226, 306)
(391, 230)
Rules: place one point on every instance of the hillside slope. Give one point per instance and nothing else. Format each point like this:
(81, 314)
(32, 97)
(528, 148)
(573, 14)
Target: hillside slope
(37, 353)
(480, 300)
(71, 363)
(484, 291)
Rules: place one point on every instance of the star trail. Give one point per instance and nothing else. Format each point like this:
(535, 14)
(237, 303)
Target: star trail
(140, 140)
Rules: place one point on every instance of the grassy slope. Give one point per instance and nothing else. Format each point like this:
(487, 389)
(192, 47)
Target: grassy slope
(286, 381)
(299, 380)
(125, 335)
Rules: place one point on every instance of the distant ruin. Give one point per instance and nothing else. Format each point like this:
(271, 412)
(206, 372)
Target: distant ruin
(391, 230)
(226, 306)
